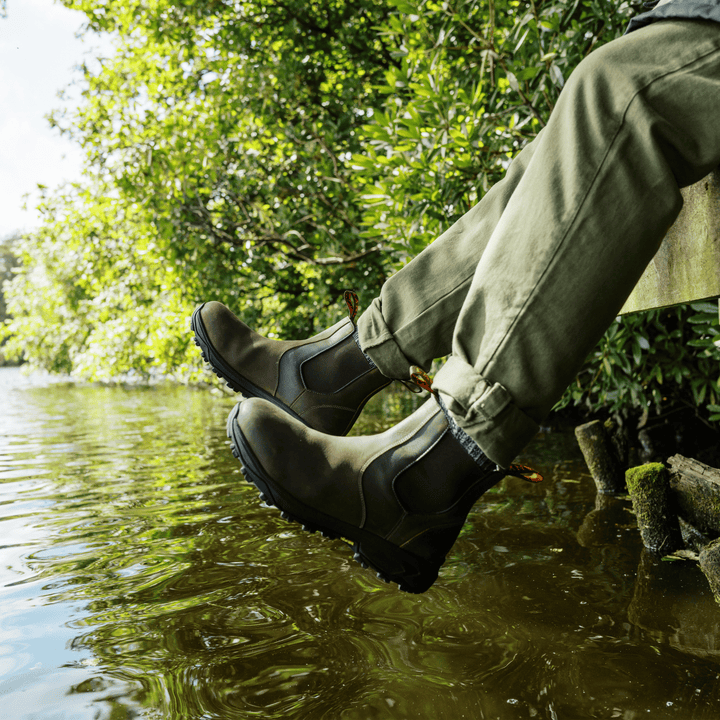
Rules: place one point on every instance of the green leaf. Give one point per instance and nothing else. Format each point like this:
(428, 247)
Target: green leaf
(556, 75)
(710, 308)
(700, 343)
(704, 317)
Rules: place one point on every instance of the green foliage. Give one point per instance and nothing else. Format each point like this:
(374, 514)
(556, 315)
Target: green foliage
(8, 262)
(476, 80)
(653, 363)
(269, 155)
(216, 137)
(98, 299)
(229, 123)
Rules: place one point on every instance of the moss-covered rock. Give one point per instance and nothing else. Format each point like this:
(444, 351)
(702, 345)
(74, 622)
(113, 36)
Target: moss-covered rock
(657, 519)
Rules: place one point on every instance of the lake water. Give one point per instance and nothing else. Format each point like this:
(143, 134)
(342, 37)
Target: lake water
(140, 577)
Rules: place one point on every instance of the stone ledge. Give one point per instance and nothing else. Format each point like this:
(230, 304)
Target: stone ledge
(687, 265)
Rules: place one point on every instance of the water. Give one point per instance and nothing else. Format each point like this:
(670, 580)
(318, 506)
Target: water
(140, 577)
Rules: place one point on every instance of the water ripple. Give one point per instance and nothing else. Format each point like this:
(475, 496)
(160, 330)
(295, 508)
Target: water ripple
(141, 577)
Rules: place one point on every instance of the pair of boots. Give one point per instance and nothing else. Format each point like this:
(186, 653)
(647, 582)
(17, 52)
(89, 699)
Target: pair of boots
(401, 497)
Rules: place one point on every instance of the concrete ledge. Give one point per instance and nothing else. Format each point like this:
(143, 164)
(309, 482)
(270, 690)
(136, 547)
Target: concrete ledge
(687, 265)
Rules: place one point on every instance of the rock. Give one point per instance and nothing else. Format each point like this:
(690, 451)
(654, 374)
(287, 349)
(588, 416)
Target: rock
(649, 489)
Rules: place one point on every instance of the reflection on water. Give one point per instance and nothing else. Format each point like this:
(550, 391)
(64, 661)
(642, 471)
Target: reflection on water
(141, 577)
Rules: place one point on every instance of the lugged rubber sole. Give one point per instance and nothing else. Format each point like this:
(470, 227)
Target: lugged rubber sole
(411, 573)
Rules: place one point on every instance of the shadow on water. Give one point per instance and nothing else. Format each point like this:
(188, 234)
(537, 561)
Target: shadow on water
(141, 577)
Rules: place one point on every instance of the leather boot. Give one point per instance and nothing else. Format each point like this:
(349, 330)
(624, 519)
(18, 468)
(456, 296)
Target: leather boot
(401, 497)
(324, 381)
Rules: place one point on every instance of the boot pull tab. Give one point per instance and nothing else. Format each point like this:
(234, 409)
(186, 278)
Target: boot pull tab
(353, 304)
(421, 380)
(524, 473)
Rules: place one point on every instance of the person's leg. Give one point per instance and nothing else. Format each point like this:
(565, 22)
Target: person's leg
(636, 121)
(418, 306)
(326, 380)
(400, 497)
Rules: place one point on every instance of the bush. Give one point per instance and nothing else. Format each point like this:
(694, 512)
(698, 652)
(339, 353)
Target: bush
(271, 155)
(654, 363)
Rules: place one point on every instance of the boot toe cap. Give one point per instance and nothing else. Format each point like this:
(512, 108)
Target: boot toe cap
(219, 322)
(276, 438)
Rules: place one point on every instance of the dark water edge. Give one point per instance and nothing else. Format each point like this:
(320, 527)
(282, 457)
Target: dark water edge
(140, 577)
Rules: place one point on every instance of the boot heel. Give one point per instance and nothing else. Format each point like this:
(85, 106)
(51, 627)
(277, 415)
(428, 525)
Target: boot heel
(394, 564)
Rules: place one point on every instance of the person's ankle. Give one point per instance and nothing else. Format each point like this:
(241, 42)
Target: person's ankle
(464, 440)
(356, 337)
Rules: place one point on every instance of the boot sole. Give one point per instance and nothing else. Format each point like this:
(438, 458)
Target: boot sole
(411, 573)
(234, 380)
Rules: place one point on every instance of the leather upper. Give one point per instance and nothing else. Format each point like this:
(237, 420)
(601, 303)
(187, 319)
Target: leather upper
(409, 485)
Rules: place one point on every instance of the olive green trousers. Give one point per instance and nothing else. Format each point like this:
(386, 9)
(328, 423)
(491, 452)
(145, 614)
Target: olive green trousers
(521, 288)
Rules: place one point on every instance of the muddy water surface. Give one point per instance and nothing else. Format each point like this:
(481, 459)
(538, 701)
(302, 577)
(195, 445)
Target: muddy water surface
(140, 577)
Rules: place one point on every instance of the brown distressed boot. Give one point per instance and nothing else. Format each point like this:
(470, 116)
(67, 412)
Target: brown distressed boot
(401, 497)
(324, 381)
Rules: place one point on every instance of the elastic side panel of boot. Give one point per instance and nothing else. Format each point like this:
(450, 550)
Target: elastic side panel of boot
(334, 368)
(437, 480)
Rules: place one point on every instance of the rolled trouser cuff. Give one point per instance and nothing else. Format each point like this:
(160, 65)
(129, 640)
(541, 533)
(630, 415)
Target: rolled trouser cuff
(484, 410)
(378, 343)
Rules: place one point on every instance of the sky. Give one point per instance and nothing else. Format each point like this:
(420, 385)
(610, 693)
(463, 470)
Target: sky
(38, 53)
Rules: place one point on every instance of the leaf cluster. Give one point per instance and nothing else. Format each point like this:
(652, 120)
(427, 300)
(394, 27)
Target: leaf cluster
(270, 155)
(476, 80)
(229, 123)
(8, 263)
(98, 300)
(653, 364)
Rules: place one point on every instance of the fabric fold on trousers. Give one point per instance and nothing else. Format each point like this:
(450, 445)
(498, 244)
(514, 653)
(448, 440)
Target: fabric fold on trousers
(377, 341)
(590, 201)
(484, 410)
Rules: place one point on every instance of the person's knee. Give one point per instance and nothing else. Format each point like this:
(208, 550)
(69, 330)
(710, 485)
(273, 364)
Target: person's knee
(669, 98)
(604, 77)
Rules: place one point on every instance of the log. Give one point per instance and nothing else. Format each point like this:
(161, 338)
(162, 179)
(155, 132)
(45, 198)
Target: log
(601, 457)
(649, 488)
(710, 565)
(695, 488)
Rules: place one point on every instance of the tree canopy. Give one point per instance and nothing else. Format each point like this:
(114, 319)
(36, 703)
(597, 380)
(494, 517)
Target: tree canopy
(271, 154)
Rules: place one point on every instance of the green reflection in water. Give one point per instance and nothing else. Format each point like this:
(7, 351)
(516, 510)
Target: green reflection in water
(141, 577)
